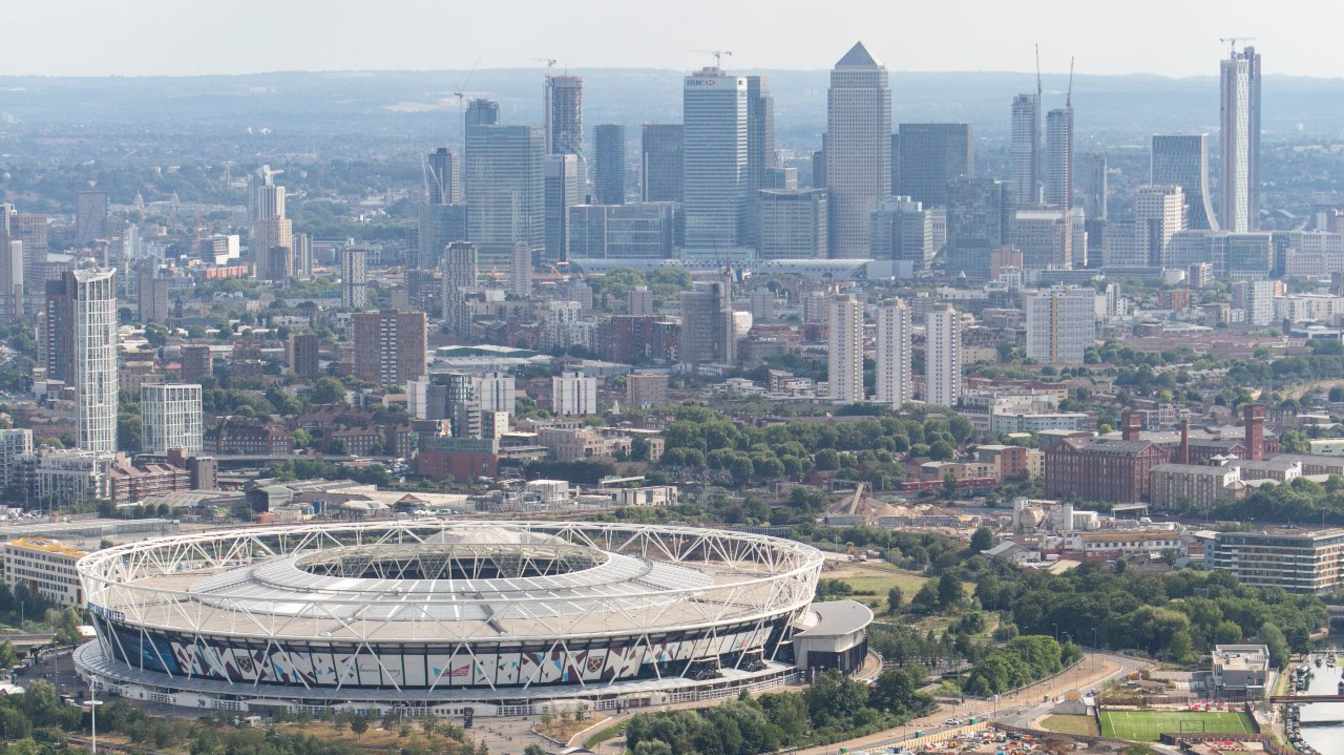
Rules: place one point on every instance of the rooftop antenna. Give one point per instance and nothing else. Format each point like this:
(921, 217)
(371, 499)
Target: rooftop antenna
(1038, 73)
(1068, 96)
(1232, 43)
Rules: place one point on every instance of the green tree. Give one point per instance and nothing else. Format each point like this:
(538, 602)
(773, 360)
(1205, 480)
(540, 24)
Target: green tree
(894, 599)
(359, 725)
(8, 657)
(982, 540)
(1272, 636)
(1181, 647)
(950, 592)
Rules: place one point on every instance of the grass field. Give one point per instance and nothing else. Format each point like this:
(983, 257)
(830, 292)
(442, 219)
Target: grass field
(1149, 725)
(872, 580)
(1083, 725)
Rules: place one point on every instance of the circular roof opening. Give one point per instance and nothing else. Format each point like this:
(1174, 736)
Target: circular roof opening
(452, 561)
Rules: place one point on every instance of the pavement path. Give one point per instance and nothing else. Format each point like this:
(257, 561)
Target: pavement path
(1019, 709)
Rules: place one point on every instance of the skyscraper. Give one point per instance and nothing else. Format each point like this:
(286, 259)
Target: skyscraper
(82, 350)
(895, 384)
(390, 347)
(443, 217)
(460, 273)
(563, 114)
(520, 273)
(354, 280)
(792, 224)
(171, 418)
(482, 112)
(270, 226)
(714, 184)
(1239, 140)
(90, 216)
(904, 231)
(1183, 160)
(11, 278)
(942, 356)
(505, 185)
(443, 177)
(460, 267)
(844, 339)
(304, 352)
(707, 335)
(1159, 213)
(978, 222)
(858, 149)
(563, 191)
(761, 154)
(931, 155)
(1059, 157)
(1045, 237)
(1061, 324)
(1026, 148)
(1094, 185)
(662, 158)
(303, 256)
(609, 166)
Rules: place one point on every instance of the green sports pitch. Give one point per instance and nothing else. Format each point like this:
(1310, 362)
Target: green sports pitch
(1149, 725)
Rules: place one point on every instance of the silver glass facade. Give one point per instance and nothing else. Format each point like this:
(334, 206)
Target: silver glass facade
(1183, 160)
(505, 185)
(714, 109)
(858, 149)
(1239, 140)
(171, 414)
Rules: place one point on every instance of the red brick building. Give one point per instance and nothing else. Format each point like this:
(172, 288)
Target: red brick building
(1101, 470)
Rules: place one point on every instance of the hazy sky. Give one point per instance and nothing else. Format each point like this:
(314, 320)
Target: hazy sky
(1174, 37)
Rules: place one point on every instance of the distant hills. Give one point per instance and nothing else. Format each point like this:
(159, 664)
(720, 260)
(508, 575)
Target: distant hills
(418, 105)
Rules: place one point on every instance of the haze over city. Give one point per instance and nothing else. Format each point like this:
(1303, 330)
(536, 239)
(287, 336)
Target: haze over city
(671, 379)
(192, 37)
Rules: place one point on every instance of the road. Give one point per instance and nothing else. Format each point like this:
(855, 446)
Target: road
(1018, 709)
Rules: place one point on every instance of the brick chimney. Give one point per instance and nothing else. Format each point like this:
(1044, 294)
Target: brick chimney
(1184, 456)
(1255, 431)
(1132, 424)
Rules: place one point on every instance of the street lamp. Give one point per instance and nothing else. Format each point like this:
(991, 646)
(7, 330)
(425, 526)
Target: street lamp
(93, 704)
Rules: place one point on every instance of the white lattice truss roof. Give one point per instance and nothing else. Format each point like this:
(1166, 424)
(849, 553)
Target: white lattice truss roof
(544, 581)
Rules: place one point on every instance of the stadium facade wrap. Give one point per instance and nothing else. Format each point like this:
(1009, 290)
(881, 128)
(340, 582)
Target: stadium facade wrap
(457, 617)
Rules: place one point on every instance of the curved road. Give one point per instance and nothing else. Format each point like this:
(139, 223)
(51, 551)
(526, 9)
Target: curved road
(1019, 709)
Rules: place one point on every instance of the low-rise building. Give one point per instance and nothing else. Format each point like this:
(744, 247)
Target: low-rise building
(1179, 485)
(1239, 671)
(45, 566)
(1295, 560)
(1120, 543)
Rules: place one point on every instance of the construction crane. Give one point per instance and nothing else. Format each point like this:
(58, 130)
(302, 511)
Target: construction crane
(718, 56)
(550, 63)
(1068, 94)
(1038, 74)
(1232, 42)
(461, 94)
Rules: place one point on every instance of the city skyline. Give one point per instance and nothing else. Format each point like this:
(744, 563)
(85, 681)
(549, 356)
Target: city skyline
(358, 40)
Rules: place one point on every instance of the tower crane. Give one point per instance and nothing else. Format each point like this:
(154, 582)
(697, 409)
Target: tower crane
(1232, 42)
(550, 63)
(461, 94)
(1068, 95)
(1038, 74)
(718, 56)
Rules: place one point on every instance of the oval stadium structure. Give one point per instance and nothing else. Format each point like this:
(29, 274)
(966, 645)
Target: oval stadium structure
(457, 617)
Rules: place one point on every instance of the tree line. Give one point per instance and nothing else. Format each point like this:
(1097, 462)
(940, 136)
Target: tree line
(834, 707)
